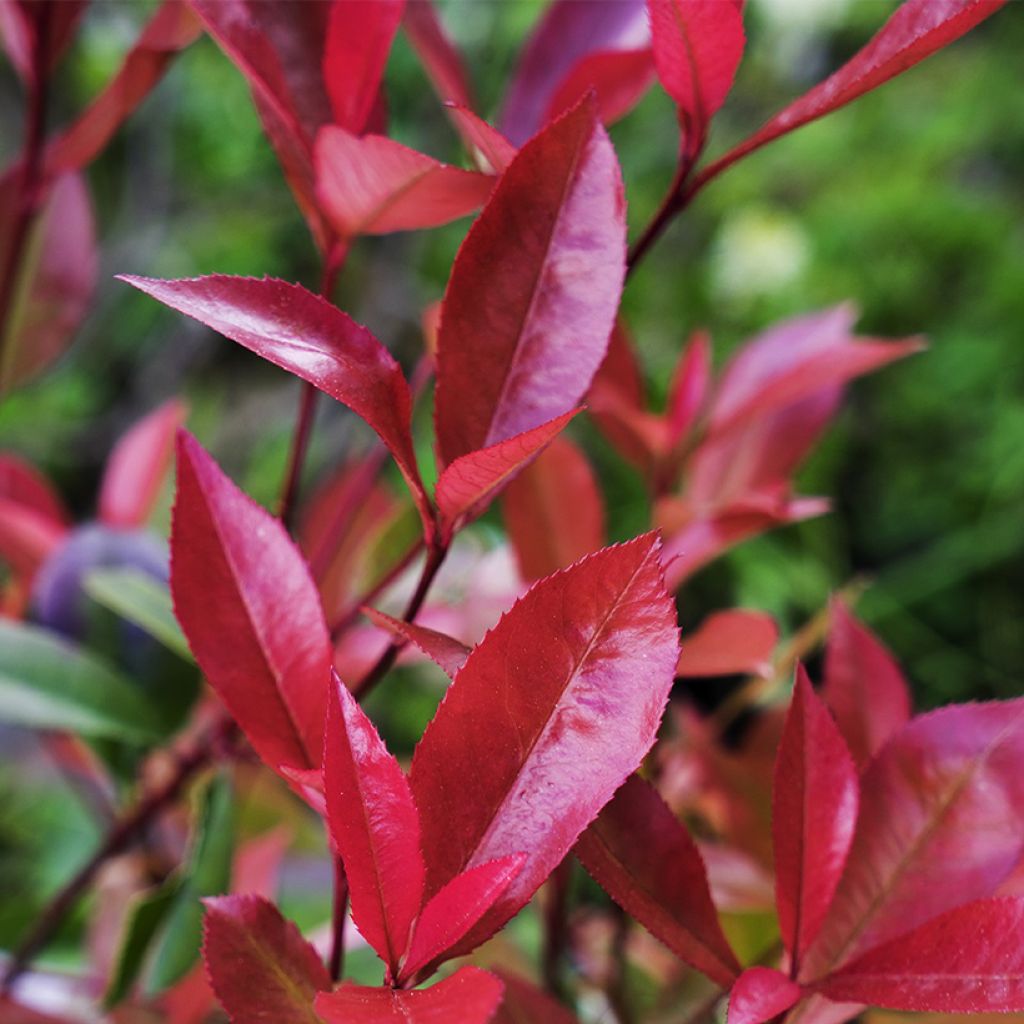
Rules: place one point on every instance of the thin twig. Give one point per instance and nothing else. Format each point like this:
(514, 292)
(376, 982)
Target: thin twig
(556, 928)
(336, 961)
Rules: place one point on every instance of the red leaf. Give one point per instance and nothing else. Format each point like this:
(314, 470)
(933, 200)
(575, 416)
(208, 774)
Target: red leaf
(489, 149)
(469, 483)
(27, 537)
(729, 642)
(760, 994)
(374, 826)
(24, 485)
(438, 55)
(618, 79)
(814, 813)
(373, 186)
(259, 965)
(19, 30)
(689, 388)
(864, 686)
(137, 466)
(539, 276)
(941, 823)
(698, 45)
(447, 652)
(244, 598)
(455, 909)
(470, 996)
(172, 28)
(359, 37)
(554, 511)
(644, 858)
(526, 1004)
(305, 335)
(552, 710)
(968, 960)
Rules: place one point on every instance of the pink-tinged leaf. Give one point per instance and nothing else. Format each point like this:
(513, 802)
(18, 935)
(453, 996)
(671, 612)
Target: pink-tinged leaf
(19, 30)
(729, 642)
(469, 483)
(760, 994)
(359, 37)
(136, 468)
(258, 861)
(245, 600)
(27, 537)
(374, 826)
(550, 713)
(25, 485)
(689, 388)
(554, 511)
(941, 823)
(539, 276)
(490, 150)
(968, 960)
(698, 45)
(864, 686)
(455, 909)
(569, 32)
(618, 79)
(53, 291)
(172, 28)
(445, 651)
(524, 1003)
(917, 29)
(470, 996)
(437, 53)
(260, 966)
(305, 335)
(814, 813)
(371, 185)
(644, 858)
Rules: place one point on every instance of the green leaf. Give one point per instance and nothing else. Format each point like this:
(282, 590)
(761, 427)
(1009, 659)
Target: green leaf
(142, 601)
(48, 683)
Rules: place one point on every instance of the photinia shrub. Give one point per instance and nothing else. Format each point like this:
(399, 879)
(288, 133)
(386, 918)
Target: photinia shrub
(797, 851)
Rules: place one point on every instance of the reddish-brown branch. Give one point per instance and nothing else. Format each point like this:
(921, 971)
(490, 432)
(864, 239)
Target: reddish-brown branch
(336, 960)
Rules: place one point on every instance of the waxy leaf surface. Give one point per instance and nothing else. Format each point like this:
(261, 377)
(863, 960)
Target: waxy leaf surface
(760, 994)
(244, 598)
(534, 290)
(445, 651)
(644, 858)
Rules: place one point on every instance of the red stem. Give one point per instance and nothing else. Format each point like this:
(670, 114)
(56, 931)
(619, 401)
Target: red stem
(336, 961)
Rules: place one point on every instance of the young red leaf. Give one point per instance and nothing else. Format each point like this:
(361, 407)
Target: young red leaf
(526, 1004)
(20, 31)
(697, 45)
(814, 813)
(470, 996)
(305, 335)
(437, 53)
(688, 390)
(554, 511)
(245, 600)
(864, 686)
(489, 149)
(469, 483)
(136, 468)
(760, 994)
(27, 537)
(370, 185)
(539, 276)
(552, 710)
(644, 858)
(729, 642)
(455, 909)
(359, 37)
(445, 651)
(941, 823)
(968, 960)
(260, 967)
(23, 484)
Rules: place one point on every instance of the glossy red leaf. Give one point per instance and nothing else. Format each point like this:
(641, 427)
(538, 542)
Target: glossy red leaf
(470, 996)
(698, 45)
(539, 277)
(554, 511)
(968, 960)
(760, 994)
(729, 642)
(374, 826)
(941, 823)
(469, 483)
(552, 710)
(359, 37)
(172, 28)
(455, 909)
(617, 78)
(137, 466)
(689, 388)
(524, 1003)
(814, 813)
(305, 335)
(55, 286)
(245, 600)
(490, 151)
(438, 54)
(644, 858)
(260, 966)
(445, 651)
(23, 484)
(371, 185)
(863, 686)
